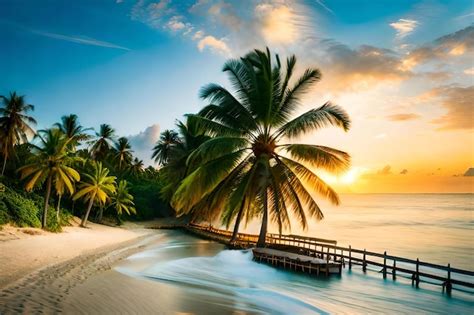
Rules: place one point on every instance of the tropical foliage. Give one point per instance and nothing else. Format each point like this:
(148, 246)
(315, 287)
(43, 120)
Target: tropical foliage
(249, 167)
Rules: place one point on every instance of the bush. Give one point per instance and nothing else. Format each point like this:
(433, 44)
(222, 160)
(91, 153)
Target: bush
(23, 211)
(4, 214)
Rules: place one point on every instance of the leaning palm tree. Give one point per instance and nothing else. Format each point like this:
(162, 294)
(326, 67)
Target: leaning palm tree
(103, 142)
(97, 187)
(71, 127)
(51, 162)
(248, 168)
(122, 200)
(15, 124)
(164, 146)
(123, 152)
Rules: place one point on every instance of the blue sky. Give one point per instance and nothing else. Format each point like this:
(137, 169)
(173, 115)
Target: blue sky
(140, 63)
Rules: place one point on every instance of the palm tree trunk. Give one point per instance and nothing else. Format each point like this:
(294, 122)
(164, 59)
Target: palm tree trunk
(237, 222)
(4, 163)
(89, 207)
(101, 212)
(263, 229)
(46, 202)
(58, 207)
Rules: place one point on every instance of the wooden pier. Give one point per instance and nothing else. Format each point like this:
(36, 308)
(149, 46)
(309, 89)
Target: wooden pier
(328, 251)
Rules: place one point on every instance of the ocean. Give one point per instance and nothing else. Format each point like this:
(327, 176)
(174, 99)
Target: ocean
(436, 228)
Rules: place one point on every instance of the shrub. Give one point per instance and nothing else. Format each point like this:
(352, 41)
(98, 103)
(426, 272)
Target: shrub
(4, 214)
(23, 211)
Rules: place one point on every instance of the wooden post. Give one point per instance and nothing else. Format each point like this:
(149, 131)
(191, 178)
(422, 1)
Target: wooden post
(417, 277)
(394, 272)
(364, 264)
(350, 257)
(327, 256)
(449, 286)
(384, 265)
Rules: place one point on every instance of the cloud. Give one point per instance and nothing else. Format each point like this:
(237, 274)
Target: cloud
(278, 23)
(79, 40)
(214, 44)
(458, 103)
(403, 117)
(386, 170)
(175, 23)
(404, 171)
(469, 71)
(143, 142)
(404, 27)
(452, 45)
(362, 68)
(469, 172)
(325, 7)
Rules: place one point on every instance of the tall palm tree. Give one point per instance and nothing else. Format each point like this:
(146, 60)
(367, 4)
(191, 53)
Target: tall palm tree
(164, 146)
(97, 187)
(71, 127)
(122, 200)
(15, 124)
(123, 151)
(103, 142)
(248, 167)
(51, 162)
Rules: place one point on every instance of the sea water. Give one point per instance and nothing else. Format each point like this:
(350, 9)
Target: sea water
(435, 228)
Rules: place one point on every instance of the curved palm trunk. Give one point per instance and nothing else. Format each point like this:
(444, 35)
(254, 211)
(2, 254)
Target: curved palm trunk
(237, 223)
(86, 216)
(46, 202)
(101, 213)
(4, 163)
(263, 229)
(58, 208)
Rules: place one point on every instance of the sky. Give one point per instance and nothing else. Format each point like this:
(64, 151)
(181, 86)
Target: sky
(402, 69)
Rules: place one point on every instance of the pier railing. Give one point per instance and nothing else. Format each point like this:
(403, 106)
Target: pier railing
(389, 265)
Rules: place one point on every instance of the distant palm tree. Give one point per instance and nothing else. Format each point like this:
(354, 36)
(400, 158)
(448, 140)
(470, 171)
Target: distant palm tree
(14, 124)
(247, 168)
(190, 137)
(97, 187)
(71, 127)
(163, 148)
(137, 166)
(103, 142)
(51, 163)
(122, 200)
(123, 152)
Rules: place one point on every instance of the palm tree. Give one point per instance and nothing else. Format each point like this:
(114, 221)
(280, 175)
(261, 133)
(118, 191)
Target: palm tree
(122, 200)
(71, 127)
(97, 187)
(14, 124)
(190, 137)
(247, 167)
(51, 163)
(136, 168)
(164, 146)
(123, 151)
(103, 142)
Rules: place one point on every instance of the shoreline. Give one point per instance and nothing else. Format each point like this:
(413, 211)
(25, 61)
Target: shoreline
(45, 288)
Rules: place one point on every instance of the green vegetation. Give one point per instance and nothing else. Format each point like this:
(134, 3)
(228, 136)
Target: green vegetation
(235, 160)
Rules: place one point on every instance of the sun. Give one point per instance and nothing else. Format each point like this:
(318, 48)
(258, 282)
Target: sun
(346, 178)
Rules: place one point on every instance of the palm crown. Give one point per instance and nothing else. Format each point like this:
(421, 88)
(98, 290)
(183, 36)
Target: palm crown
(247, 167)
(15, 124)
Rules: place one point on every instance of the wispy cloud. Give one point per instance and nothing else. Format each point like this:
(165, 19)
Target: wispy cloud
(79, 40)
(404, 27)
(321, 3)
(403, 117)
